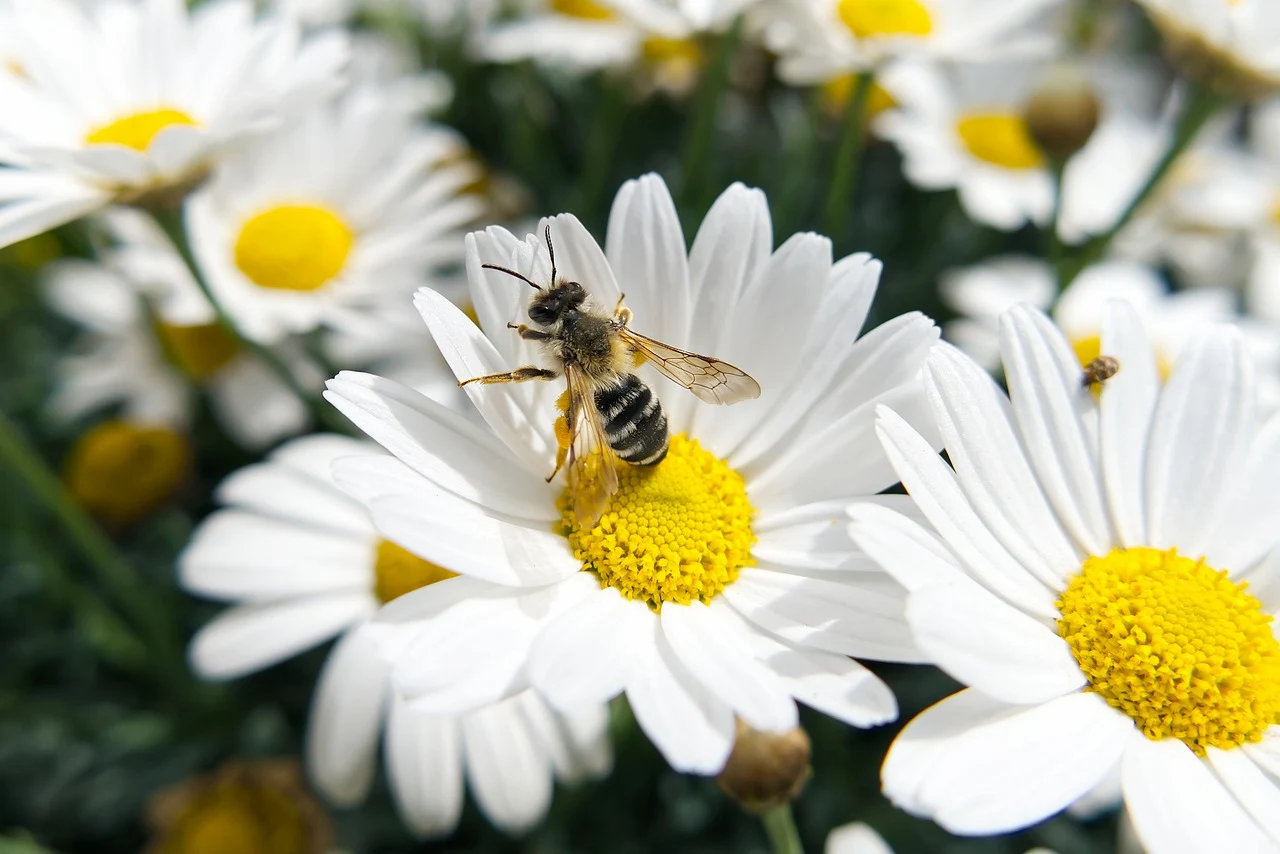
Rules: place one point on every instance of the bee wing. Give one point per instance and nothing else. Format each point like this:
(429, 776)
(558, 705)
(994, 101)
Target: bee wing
(712, 380)
(593, 475)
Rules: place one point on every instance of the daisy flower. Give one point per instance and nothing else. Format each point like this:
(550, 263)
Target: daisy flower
(1233, 46)
(150, 363)
(859, 838)
(962, 127)
(303, 564)
(716, 583)
(818, 40)
(1103, 577)
(122, 100)
(356, 199)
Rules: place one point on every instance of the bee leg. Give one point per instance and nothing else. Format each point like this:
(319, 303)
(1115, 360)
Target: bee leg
(519, 375)
(529, 334)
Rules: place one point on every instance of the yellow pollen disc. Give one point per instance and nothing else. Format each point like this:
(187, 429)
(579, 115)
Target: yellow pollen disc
(293, 247)
(120, 471)
(1089, 347)
(247, 820)
(398, 571)
(870, 18)
(837, 91)
(587, 9)
(1176, 645)
(138, 130)
(676, 532)
(659, 50)
(200, 351)
(1000, 138)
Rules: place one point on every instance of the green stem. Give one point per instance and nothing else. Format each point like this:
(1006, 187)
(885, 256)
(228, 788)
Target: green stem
(1200, 105)
(781, 829)
(129, 590)
(1056, 170)
(695, 163)
(602, 142)
(324, 415)
(848, 162)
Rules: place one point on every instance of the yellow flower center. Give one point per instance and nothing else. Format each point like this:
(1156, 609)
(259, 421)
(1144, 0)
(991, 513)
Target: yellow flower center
(120, 471)
(676, 532)
(136, 131)
(660, 51)
(1176, 645)
(399, 571)
(1089, 347)
(837, 91)
(587, 9)
(1000, 138)
(870, 18)
(200, 351)
(244, 819)
(293, 247)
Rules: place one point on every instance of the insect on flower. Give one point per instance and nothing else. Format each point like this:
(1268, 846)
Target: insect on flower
(608, 412)
(1099, 371)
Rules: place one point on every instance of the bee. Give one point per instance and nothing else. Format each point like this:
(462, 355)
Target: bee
(1099, 371)
(608, 413)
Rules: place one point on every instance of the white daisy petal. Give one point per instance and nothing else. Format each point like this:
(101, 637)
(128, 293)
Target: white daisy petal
(856, 838)
(275, 490)
(1177, 804)
(1267, 752)
(989, 645)
(346, 720)
(1048, 398)
(577, 742)
(864, 619)
(586, 654)
(247, 638)
(1256, 792)
(424, 760)
(509, 774)
(1125, 410)
(934, 487)
(1246, 534)
(711, 642)
(692, 729)
(1034, 763)
(902, 547)
(1199, 441)
(832, 684)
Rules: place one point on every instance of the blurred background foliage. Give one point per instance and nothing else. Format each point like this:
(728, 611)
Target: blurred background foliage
(88, 732)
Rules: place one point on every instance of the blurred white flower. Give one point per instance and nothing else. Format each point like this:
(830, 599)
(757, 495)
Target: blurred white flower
(1103, 577)
(437, 16)
(151, 361)
(127, 99)
(1233, 45)
(961, 126)
(859, 838)
(356, 201)
(303, 564)
(821, 39)
(983, 292)
(763, 598)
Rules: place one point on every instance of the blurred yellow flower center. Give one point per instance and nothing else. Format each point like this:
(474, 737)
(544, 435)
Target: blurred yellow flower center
(837, 91)
(588, 9)
(398, 571)
(243, 819)
(1000, 138)
(293, 247)
(120, 471)
(136, 131)
(200, 351)
(676, 532)
(1176, 645)
(34, 252)
(868, 18)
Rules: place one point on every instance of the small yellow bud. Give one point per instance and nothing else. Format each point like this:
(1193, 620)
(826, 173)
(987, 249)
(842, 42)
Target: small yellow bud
(120, 471)
(766, 770)
(1062, 112)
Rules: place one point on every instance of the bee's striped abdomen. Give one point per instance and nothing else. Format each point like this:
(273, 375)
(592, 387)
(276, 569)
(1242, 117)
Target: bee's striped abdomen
(633, 421)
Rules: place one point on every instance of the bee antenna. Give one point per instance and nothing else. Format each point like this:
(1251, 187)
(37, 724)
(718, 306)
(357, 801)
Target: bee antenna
(520, 276)
(552, 252)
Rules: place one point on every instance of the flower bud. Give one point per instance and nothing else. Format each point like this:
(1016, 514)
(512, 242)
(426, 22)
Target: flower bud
(766, 770)
(1062, 112)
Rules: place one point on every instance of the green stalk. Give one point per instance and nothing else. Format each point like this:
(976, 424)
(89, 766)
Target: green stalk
(695, 163)
(1200, 105)
(848, 162)
(781, 829)
(602, 142)
(323, 413)
(1056, 170)
(130, 591)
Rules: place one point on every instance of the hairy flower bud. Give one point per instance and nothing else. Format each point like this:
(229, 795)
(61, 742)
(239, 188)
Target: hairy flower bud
(766, 770)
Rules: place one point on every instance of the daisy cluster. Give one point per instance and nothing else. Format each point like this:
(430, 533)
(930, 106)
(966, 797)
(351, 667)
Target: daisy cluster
(375, 455)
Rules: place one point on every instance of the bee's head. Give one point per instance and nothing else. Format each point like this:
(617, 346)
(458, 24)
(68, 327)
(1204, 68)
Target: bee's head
(547, 307)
